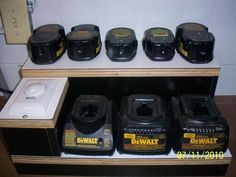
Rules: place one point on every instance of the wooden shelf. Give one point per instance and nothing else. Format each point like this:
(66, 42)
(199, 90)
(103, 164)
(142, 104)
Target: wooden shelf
(102, 66)
(185, 72)
(14, 123)
(168, 160)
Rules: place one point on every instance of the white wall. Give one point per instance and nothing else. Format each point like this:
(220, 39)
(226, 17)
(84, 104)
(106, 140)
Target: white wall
(219, 16)
(11, 59)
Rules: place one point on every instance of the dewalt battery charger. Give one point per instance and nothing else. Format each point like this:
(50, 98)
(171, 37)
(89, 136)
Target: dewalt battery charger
(144, 127)
(88, 129)
(198, 125)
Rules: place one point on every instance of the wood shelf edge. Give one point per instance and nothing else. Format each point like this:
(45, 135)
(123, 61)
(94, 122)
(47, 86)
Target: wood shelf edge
(116, 161)
(15, 123)
(142, 72)
(59, 105)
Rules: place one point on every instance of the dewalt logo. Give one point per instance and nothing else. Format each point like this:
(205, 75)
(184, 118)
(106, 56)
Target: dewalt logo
(203, 141)
(144, 141)
(87, 140)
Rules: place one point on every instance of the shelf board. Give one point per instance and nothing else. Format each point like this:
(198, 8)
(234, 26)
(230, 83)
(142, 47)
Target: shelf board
(102, 66)
(120, 160)
(14, 123)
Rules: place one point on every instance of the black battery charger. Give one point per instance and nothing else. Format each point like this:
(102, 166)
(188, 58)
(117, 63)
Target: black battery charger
(83, 42)
(47, 44)
(143, 126)
(194, 43)
(198, 125)
(159, 44)
(89, 127)
(121, 44)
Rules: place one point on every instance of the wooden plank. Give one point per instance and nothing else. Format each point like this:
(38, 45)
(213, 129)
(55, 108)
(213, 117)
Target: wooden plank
(174, 72)
(15, 123)
(114, 161)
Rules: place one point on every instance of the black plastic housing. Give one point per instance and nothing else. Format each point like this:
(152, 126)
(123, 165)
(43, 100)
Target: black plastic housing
(159, 44)
(194, 43)
(89, 113)
(88, 129)
(47, 44)
(144, 127)
(31, 141)
(121, 44)
(84, 42)
(198, 125)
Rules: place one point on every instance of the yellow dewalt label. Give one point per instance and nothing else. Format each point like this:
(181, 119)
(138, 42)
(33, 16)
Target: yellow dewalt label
(129, 136)
(181, 49)
(159, 33)
(203, 140)
(61, 50)
(189, 135)
(193, 27)
(121, 33)
(145, 141)
(98, 48)
(87, 140)
(81, 34)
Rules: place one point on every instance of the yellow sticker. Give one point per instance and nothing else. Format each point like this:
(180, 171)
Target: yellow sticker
(129, 136)
(181, 49)
(203, 141)
(98, 48)
(144, 141)
(61, 50)
(81, 34)
(159, 33)
(121, 33)
(81, 140)
(70, 138)
(189, 135)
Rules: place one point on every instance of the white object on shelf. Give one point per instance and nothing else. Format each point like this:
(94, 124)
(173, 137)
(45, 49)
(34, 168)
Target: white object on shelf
(117, 155)
(34, 98)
